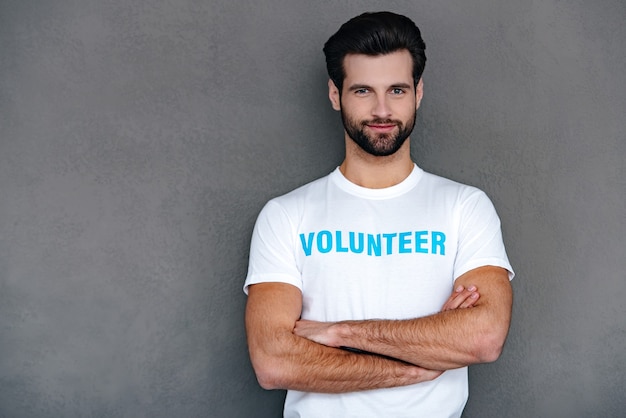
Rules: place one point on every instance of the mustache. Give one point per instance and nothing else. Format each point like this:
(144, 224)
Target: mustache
(381, 122)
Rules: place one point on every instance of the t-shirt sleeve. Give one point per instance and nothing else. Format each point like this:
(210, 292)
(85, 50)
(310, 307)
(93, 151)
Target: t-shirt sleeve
(272, 256)
(480, 236)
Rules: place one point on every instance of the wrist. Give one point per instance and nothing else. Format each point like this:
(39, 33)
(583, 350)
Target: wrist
(340, 334)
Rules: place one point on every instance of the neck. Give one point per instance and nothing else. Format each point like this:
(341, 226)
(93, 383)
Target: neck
(373, 172)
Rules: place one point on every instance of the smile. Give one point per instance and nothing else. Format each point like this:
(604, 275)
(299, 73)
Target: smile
(382, 127)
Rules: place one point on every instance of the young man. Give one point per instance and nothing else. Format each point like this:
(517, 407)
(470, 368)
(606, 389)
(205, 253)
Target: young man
(372, 289)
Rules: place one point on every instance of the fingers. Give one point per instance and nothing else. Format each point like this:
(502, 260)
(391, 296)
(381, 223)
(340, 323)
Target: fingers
(461, 298)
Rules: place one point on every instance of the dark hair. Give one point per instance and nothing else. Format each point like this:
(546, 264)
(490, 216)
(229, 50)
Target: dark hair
(377, 33)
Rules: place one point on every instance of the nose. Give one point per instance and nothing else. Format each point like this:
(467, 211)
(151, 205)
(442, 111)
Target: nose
(381, 107)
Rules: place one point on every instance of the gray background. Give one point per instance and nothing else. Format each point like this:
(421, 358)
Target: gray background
(139, 140)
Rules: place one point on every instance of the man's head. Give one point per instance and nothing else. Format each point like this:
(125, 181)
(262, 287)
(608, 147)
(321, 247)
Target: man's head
(375, 63)
(374, 34)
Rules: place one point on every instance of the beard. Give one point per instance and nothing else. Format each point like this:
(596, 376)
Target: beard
(378, 145)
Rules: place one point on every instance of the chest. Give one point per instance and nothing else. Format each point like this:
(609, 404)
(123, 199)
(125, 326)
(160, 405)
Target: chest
(377, 259)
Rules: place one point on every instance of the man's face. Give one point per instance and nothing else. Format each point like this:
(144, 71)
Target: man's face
(378, 101)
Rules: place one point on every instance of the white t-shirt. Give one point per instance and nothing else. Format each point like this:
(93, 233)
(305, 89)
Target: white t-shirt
(392, 253)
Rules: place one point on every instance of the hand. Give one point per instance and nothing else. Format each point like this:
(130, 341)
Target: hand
(461, 298)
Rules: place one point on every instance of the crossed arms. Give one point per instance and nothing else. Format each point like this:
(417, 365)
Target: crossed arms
(289, 353)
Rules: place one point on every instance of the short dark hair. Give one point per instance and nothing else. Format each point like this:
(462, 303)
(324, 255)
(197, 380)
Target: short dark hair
(373, 34)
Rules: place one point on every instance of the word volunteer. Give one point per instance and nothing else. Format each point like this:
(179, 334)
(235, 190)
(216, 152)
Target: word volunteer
(425, 242)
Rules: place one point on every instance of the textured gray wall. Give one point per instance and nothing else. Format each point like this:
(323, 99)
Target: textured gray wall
(139, 140)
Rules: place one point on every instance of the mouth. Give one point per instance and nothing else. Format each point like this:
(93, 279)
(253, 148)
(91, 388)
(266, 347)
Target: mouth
(382, 127)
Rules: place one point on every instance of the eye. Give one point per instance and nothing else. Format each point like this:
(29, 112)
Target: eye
(361, 92)
(397, 91)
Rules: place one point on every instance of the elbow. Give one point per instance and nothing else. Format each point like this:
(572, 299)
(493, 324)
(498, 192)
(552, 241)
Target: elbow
(268, 375)
(490, 353)
(491, 338)
(267, 381)
(490, 346)
(271, 363)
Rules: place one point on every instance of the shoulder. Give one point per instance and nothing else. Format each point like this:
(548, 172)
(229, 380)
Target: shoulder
(451, 190)
(296, 197)
(292, 204)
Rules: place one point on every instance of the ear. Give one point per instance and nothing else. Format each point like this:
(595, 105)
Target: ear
(419, 92)
(333, 95)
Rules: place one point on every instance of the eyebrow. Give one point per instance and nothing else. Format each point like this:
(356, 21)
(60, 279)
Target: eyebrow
(354, 87)
(401, 85)
(358, 87)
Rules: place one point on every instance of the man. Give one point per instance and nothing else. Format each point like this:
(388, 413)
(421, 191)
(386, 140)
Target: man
(372, 289)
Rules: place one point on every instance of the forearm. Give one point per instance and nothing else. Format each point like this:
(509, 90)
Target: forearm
(447, 340)
(450, 339)
(299, 364)
(283, 360)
